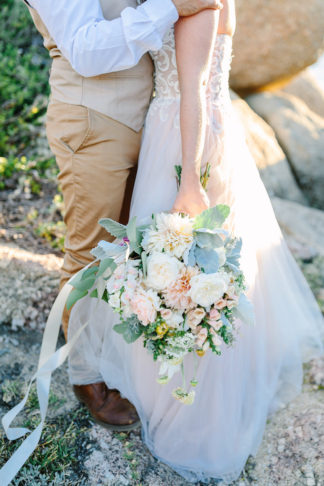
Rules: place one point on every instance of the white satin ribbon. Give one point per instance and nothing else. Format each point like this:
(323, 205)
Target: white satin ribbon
(49, 360)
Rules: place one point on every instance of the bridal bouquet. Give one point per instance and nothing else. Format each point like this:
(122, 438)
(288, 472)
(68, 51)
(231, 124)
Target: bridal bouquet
(175, 282)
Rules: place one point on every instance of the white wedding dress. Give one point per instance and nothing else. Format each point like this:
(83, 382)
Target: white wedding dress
(263, 370)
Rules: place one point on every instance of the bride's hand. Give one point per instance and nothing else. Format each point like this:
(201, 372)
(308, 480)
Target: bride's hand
(191, 199)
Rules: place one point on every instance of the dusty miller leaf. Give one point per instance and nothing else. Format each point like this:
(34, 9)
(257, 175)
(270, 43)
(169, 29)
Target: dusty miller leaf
(115, 229)
(208, 260)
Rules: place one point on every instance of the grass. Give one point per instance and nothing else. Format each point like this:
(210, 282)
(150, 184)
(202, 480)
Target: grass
(60, 454)
(130, 453)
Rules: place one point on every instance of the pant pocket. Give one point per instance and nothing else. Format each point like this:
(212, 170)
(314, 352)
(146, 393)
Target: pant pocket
(68, 125)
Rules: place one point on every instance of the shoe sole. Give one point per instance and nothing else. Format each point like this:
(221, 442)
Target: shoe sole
(117, 428)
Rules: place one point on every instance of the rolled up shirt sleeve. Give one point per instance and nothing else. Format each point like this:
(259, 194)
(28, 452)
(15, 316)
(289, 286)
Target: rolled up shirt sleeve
(94, 45)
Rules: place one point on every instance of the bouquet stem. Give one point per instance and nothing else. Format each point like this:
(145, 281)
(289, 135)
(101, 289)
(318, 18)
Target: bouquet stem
(204, 175)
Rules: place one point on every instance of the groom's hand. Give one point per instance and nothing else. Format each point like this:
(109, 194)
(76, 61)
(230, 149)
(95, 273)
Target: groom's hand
(191, 7)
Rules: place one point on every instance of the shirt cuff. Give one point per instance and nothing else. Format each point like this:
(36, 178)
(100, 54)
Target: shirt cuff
(163, 13)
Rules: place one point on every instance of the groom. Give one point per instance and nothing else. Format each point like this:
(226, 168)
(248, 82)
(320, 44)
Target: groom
(101, 84)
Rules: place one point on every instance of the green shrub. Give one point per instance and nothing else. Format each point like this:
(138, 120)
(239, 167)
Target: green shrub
(24, 65)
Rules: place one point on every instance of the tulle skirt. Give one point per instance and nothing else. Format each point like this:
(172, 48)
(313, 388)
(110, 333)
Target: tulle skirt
(263, 370)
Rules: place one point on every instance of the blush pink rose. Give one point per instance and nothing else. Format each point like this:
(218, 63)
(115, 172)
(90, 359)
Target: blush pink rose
(145, 305)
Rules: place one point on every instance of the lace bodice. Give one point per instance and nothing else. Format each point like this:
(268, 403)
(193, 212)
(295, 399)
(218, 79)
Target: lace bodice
(166, 74)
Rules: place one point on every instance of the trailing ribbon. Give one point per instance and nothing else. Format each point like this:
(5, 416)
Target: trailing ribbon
(49, 360)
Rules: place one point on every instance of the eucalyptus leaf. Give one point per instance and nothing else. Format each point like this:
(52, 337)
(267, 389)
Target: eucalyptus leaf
(115, 229)
(100, 287)
(89, 272)
(74, 296)
(77, 278)
(212, 217)
(130, 330)
(107, 263)
(208, 260)
(85, 284)
(94, 293)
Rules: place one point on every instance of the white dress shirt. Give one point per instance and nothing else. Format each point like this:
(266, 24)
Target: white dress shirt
(94, 45)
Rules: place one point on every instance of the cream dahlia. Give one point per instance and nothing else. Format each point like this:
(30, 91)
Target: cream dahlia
(176, 295)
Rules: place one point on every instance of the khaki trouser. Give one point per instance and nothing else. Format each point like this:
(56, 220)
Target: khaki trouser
(95, 155)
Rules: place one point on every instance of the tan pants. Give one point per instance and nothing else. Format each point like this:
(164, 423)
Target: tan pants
(95, 155)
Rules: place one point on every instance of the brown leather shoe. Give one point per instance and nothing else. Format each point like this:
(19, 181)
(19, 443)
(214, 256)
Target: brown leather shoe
(107, 407)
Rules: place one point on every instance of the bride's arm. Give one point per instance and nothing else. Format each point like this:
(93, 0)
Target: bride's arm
(195, 40)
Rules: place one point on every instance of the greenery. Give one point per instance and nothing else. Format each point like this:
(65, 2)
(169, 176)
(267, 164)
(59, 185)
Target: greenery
(57, 458)
(24, 169)
(24, 65)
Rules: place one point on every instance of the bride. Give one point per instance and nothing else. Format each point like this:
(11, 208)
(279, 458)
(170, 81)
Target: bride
(190, 121)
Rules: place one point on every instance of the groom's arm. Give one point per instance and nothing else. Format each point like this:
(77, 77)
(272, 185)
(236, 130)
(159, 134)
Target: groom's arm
(96, 46)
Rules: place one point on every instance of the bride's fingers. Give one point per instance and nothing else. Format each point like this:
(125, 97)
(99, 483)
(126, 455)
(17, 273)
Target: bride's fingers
(181, 211)
(216, 4)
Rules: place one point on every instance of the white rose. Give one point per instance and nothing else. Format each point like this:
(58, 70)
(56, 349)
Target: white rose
(207, 288)
(162, 270)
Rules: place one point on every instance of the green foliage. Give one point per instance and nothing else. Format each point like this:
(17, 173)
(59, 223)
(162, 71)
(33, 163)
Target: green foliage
(24, 65)
(53, 232)
(113, 227)
(212, 218)
(130, 329)
(57, 454)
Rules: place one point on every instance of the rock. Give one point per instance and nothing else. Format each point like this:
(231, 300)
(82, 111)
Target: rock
(302, 226)
(305, 87)
(267, 153)
(300, 133)
(275, 40)
(299, 427)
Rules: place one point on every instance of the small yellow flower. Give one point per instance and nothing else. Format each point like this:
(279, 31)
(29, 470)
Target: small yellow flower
(183, 397)
(200, 352)
(162, 329)
(34, 110)
(23, 159)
